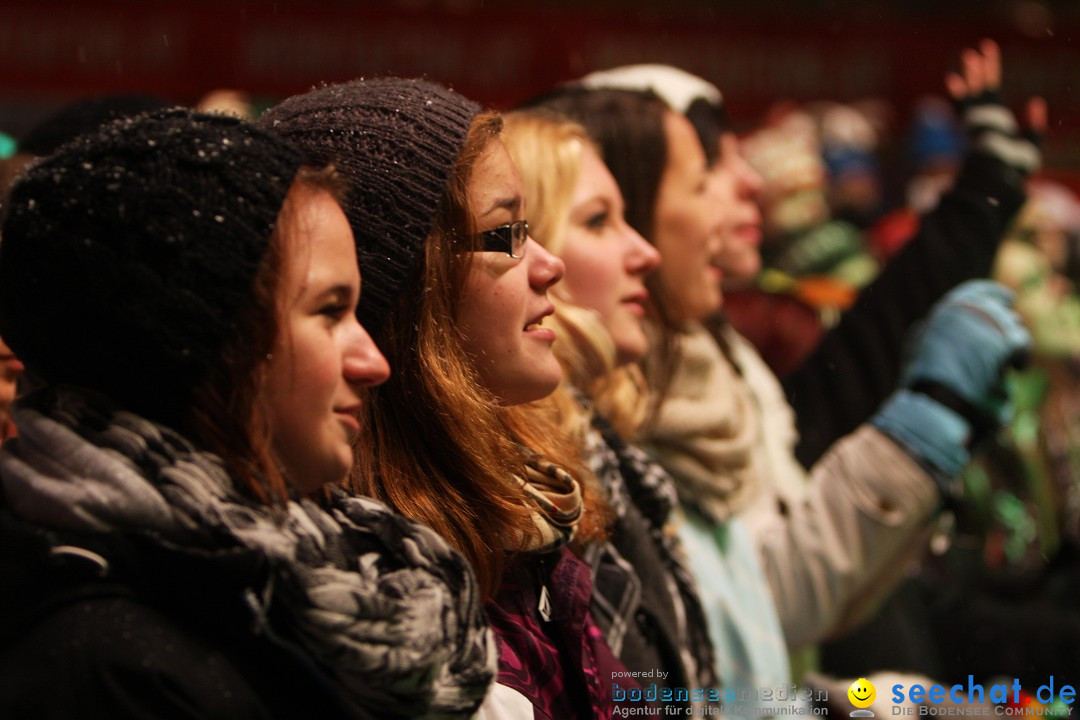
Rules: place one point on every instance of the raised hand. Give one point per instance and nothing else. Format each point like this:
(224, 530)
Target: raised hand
(991, 126)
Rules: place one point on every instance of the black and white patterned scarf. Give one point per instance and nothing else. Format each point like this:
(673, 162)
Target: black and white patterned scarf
(629, 475)
(383, 604)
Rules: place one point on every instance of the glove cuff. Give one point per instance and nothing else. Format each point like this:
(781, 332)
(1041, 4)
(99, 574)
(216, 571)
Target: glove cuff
(930, 432)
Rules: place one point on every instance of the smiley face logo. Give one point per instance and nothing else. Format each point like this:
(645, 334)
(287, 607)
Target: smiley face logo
(862, 693)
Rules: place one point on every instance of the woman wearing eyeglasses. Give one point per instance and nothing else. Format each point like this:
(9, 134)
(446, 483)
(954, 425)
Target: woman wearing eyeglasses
(457, 299)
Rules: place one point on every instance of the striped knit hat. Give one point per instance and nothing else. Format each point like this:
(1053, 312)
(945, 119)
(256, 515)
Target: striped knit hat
(395, 141)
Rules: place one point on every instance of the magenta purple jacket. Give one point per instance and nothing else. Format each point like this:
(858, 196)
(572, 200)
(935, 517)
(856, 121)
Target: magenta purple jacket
(552, 653)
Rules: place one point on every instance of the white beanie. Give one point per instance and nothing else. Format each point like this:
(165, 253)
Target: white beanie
(676, 87)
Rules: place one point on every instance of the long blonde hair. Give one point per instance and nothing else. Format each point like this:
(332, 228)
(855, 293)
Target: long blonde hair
(548, 150)
(435, 444)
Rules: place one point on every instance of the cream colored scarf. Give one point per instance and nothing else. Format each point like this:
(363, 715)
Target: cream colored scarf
(706, 428)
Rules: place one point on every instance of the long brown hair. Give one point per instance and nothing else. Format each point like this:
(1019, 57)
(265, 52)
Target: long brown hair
(229, 415)
(435, 444)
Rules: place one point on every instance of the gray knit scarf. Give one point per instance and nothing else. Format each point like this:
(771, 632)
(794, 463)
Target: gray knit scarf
(383, 604)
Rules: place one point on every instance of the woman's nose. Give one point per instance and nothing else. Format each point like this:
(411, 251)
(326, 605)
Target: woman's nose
(364, 364)
(545, 269)
(641, 256)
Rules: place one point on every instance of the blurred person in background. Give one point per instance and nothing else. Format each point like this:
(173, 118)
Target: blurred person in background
(825, 555)
(852, 136)
(808, 257)
(934, 151)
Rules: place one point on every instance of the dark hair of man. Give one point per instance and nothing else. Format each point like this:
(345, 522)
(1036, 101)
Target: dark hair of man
(710, 121)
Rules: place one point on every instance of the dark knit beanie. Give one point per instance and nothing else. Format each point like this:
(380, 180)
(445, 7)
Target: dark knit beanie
(128, 257)
(84, 116)
(395, 141)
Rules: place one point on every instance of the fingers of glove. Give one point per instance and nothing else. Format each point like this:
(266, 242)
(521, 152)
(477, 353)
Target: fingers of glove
(968, 360)
(968, 340)
(975, 298)
(1017, 337)
(977, 290)
(993, 303)
(986, 325)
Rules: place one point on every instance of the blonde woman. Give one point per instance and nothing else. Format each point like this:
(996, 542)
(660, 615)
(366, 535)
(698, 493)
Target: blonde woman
(645, 599)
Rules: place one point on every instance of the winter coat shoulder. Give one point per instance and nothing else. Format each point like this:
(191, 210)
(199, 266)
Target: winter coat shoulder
(128, 629)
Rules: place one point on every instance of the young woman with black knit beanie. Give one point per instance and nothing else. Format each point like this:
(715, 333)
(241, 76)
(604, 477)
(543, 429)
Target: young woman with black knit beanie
(436, 205)
(182, 288)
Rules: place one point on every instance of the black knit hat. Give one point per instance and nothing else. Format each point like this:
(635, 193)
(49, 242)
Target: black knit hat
(395, 142)
(84, 116)
(128, 257)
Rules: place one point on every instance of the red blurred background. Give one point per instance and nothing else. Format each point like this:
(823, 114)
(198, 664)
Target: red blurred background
(501, 52)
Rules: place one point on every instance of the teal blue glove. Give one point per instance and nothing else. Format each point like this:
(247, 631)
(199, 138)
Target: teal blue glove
(952, 391)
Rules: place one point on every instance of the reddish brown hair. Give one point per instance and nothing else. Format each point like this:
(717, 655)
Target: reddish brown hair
(436, 445)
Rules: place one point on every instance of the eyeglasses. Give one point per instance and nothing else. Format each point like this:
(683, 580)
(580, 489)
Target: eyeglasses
(509, 238)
